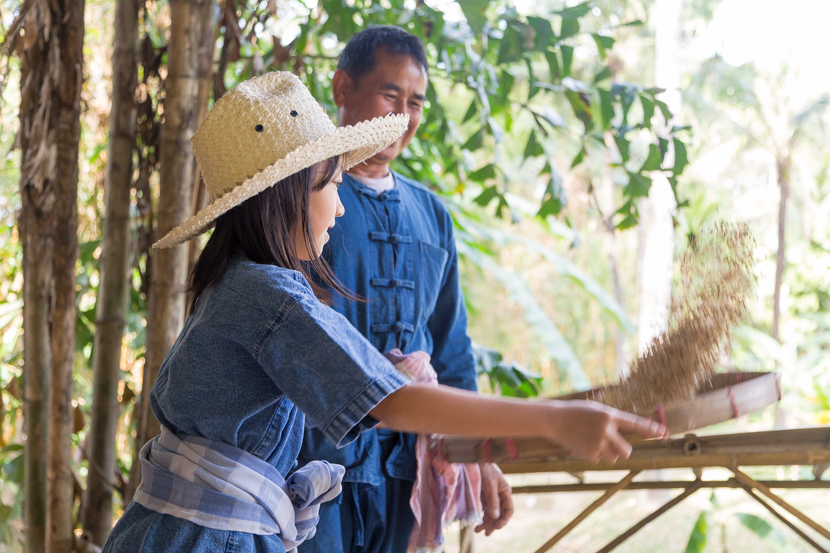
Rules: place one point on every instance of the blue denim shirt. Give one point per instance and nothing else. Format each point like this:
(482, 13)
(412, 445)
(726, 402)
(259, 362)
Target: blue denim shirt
(259, 352)
(397, 249)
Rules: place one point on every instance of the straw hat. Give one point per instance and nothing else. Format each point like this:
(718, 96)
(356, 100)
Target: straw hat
(264, 130)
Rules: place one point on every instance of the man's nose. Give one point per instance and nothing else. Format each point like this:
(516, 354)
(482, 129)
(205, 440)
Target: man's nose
(399, 107)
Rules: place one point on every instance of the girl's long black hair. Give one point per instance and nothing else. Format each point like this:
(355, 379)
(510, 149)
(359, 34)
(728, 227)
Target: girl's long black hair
(262, 227)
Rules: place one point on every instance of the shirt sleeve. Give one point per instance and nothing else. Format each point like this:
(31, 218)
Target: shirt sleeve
(331, 372)
(452, 353)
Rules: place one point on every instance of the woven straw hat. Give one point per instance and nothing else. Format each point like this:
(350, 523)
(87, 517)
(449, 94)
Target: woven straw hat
(264, 130)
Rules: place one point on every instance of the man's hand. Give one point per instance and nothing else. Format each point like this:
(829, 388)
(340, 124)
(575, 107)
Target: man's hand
(496, 498)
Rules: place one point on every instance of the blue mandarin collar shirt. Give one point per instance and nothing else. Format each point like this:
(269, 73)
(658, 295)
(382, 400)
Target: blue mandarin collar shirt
(396, 249)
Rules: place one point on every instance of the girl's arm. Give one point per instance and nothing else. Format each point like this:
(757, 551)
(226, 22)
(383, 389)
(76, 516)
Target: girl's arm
(589, 429)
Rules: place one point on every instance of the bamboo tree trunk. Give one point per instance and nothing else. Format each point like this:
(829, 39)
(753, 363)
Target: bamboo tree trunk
(35, 221)
(657, 209)
(37, 359)
(166, 305)
(51, 71)
(69, 37)
(784, 185)
(115, 277)
(199, 196)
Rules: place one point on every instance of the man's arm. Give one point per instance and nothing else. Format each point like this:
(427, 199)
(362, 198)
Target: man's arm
(452, 353)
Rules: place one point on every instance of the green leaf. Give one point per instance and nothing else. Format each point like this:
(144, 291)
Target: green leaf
(578, 158)
(471, 112)
(533, 147)
(567, 59)
(475, 142)
(606, 109)
(575, 12)
(486, 172)
(554, 199)
(475, 11)
(654, 159)
(605, 73)
(627, 222)
(700, 531)
(648, 110)
(665, 109)
(511, 46)
(506, 81)
(635, 23)
(553, 65)
(580, 103)
(761, 528)
(680, 158)
(487, 196)
(544, 33)
(604, 43)
(570, 27)
(622, 146)
(638, 185)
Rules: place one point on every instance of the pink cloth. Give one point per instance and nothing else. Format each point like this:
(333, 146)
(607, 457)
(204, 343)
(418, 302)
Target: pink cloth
(443, 492)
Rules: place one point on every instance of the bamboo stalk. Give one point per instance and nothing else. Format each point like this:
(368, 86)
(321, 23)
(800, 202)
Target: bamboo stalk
(781, 517)
(588, 510)
(670, 485)
(639, 526)
(789, 508)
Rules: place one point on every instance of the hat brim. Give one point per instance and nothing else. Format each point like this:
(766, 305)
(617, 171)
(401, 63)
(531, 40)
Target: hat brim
(356, 143)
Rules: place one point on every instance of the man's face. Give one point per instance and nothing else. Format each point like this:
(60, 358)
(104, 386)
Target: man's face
(397, 84)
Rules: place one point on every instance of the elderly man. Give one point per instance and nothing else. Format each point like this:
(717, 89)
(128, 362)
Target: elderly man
(395, 247)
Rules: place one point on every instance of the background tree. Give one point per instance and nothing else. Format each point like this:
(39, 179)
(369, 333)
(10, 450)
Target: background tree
(51, 50)
(189, 21)
(111, 307)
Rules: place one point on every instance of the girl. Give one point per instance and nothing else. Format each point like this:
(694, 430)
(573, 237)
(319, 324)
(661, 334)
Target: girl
(261, 355)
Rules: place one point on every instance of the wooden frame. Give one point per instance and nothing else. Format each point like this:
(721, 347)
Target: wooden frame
(802, 446)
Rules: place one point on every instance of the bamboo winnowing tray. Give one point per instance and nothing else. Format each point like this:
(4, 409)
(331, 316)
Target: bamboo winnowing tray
(727, 396)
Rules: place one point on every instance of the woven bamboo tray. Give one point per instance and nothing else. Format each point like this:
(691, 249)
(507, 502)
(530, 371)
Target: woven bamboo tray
(728, 396)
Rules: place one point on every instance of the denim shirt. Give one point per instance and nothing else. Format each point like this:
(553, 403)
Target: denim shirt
(259, 352)
(397, 249)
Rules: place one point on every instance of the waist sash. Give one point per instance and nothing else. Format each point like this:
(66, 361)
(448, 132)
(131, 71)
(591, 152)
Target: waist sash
(219, 486)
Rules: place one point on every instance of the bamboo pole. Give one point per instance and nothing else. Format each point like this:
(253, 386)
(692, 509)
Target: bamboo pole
(639, 526)
(789, 508)
(588, 510)
(670, 485)
(781, 517)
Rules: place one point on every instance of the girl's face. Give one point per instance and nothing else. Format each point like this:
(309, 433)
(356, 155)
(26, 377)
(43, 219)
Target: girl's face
(324, 208)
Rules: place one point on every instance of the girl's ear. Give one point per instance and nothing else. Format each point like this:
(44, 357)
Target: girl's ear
(341, 84)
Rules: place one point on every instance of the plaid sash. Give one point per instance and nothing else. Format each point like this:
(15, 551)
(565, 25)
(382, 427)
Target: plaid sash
(219, 486)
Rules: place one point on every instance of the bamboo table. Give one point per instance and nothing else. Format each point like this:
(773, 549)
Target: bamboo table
(802, 446)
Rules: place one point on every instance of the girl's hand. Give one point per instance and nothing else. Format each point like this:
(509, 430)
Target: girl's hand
(593, 430)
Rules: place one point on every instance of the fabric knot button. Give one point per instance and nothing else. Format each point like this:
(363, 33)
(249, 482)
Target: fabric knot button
(259, 128)
(395, 283)
(294, 113)
(393, 238)
(398, 327)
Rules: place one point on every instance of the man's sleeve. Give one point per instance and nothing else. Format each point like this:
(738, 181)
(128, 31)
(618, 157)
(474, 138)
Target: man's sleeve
(452, 353)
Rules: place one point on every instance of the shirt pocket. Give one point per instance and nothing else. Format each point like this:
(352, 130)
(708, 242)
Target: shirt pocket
(430, 276)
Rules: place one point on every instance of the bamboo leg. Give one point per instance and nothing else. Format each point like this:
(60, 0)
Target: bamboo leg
(637, 527)
(744, 479)
(588, 510)
(781, 517)
(467, 533)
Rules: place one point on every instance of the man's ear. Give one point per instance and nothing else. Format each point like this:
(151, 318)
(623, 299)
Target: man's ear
(341, 84)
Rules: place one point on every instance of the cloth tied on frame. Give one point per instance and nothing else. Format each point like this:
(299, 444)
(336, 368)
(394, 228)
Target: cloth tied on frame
(219, 486)
(443, 492)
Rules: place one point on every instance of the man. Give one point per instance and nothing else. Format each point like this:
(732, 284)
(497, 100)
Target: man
(395, 247)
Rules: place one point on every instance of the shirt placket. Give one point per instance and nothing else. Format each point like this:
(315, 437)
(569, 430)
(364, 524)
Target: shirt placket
(391, 282)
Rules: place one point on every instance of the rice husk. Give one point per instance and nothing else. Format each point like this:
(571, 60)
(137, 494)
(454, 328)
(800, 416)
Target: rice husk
(712, 286)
